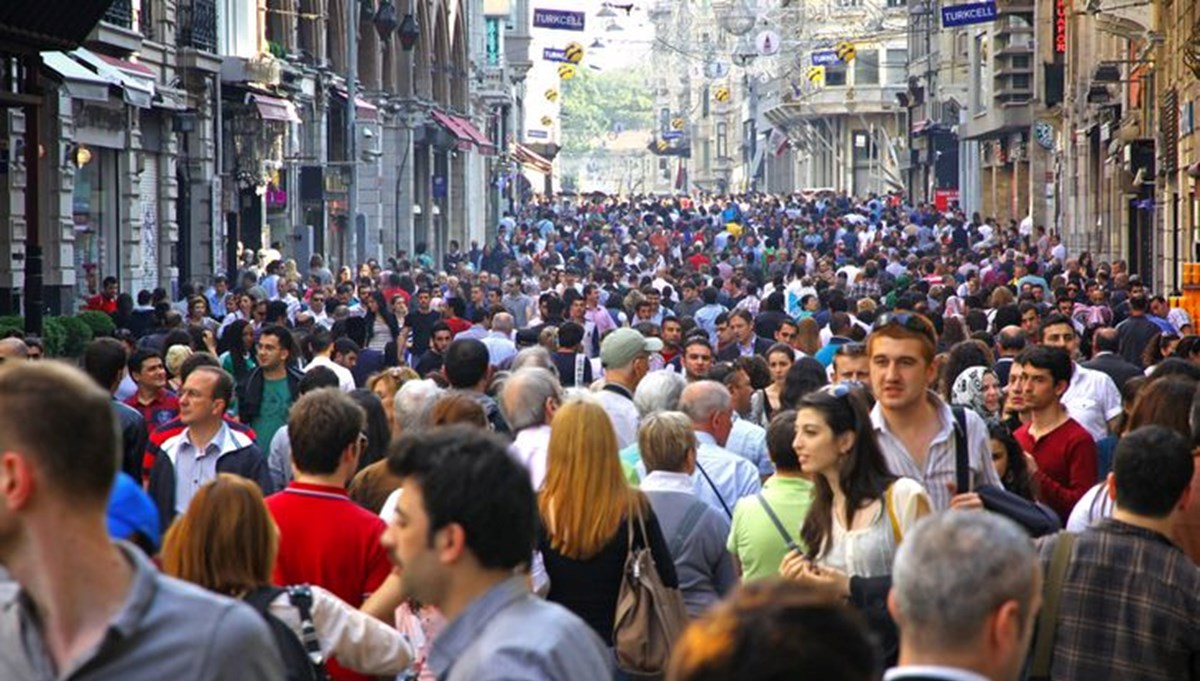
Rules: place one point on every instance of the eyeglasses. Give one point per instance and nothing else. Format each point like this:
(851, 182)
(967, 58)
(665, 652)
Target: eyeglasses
(909, 321)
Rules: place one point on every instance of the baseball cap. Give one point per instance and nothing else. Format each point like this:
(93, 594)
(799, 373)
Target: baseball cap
(131, 510)
(621, 347)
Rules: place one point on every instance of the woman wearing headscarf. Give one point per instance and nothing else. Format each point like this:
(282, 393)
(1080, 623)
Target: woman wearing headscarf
(977, 388)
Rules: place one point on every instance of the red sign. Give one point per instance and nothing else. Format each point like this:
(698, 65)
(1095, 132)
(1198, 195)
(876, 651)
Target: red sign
(942, 198)
(1060, 26)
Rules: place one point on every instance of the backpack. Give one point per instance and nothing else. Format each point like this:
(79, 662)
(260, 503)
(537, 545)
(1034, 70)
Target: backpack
(302, 659)
(650, 616)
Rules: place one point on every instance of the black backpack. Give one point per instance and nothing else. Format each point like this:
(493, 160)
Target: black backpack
(302, 659)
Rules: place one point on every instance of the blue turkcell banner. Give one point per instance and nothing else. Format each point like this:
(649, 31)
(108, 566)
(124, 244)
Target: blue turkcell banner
(672, 135)
(558, 19)
(554, 54)
(969, 13)
(825, 58)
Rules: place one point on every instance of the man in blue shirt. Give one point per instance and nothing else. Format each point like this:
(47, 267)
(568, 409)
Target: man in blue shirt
(463, 525)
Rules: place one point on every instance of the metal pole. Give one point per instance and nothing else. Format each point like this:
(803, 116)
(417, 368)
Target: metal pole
(34, 303)
(351, 239)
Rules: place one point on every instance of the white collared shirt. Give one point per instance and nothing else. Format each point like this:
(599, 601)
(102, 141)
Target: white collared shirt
(1092, 399)
(530, 447)
(668, 481)
(934, 671)
(345, 378)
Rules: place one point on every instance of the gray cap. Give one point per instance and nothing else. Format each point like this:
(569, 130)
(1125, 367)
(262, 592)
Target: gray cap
(621, 347)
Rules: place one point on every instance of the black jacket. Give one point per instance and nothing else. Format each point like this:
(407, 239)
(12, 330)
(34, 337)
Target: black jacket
(241, 457)
(134, 437)
(731, 352)
(1115, 366)
(250, 394)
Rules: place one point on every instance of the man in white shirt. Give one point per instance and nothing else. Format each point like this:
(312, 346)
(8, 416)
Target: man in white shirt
(529, 399)
(916, 429)
(501, 348)
(625, 355)
(321, 343)
(1092, 398)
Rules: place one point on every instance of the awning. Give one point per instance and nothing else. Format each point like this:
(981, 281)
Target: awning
(481, 140)
(363, 110)
(273, 108)
(453, 124)
(531, 159)
(41, 25)
(136, 81)
(80, 82)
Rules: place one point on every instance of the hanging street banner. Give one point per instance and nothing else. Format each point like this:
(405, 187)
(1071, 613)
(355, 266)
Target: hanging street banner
(825, 58)
(557, 19)
(554, 54)
(970, 13)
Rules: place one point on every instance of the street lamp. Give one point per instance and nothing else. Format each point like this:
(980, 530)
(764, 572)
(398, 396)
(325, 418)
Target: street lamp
(744, 52)
(739, 19)
(385, 20)
(409, 32)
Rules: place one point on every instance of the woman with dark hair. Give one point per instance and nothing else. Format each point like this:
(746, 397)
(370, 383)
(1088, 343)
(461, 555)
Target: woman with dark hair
(383, 330)
(1009, 461)
(378, 433)
(805, 376)
(860, 511)
(237, 350)
(1188, 347)
(1161, 346)
(767, 401)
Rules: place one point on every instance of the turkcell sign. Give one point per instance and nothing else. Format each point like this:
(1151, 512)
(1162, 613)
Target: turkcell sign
(970, 13)
(558, 19)
(554, 54)
(825, 58)
(536, 134)
(672, 135)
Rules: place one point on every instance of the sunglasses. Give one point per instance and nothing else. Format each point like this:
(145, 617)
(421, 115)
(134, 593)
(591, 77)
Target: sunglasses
(851, 350)
(909, 321)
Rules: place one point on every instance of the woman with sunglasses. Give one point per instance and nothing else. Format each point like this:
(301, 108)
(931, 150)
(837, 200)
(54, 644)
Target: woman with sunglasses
(860, 511)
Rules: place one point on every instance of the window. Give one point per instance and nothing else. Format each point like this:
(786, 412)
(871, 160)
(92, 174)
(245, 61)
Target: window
(866, 68)
(897, 3)
(981, 75)
(847, 3)
(835, 74)
(722, 140)
(895, 69)
(705, 154)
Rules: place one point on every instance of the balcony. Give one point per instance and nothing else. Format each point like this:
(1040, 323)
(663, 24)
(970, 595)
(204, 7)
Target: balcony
(120, 13)
(198, 24)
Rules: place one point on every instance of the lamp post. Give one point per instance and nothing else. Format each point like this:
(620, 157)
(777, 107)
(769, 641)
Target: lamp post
(408, 33)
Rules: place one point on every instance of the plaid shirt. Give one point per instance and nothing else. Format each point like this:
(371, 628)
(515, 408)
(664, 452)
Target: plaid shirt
(1129, 609)
(865, 288)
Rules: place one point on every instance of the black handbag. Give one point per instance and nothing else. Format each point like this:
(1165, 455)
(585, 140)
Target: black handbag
(1037, 519)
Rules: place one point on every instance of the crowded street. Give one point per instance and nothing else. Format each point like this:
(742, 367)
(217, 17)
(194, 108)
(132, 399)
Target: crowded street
(480, 404)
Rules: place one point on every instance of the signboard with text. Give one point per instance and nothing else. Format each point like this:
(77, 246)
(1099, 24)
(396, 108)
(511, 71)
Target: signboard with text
(554, 54)
(558, 19)
(493, 40)
(536, 134)
(969, 13)
(825, 58)
(1060, 26)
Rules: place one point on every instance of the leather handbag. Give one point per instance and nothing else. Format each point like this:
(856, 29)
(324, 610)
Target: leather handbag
(1037, 519)
(650, 616)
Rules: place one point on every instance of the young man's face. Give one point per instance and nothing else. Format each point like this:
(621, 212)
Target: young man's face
(577, 309)
(413, 553)
(271, 354)
(672, 333)
(697, 360)
(742, 331)
(1030, 323)
(852, 368)
(348, 359)
(441, 341)
(493, 297)
(1061, 336)
(786, 333)
(900, 371)
(423, 301)
(152, 375)
(1038, 388)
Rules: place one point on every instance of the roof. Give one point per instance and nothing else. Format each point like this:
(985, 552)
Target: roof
(28, 26)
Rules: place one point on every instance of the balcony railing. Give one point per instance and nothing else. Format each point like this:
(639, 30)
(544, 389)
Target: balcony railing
(120, 13)
(198, 24)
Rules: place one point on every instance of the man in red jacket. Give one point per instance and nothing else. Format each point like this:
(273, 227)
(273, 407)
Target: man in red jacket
(1061, 454)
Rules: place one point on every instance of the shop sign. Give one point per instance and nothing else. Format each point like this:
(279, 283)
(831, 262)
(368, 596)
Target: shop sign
(969, 13)
(557, 19)
(1060, 26)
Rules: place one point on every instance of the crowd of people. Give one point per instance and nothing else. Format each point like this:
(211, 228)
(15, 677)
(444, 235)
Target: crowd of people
(844, 436)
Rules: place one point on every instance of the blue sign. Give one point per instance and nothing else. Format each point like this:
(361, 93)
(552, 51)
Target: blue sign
(970, 13)
(439, 186)
(536, 134)
(493, 41)
(554, 54)
(558, 19)
(672, 134)
(825, 58)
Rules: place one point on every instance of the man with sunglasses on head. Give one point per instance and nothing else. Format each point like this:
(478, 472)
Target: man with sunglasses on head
(916, 428)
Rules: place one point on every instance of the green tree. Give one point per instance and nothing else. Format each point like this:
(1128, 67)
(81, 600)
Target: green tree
(594, 102)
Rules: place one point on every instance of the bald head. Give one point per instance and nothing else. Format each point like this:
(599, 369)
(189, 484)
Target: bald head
(14, 348)
(502, 323)
(1011, 341)
(1105, 340)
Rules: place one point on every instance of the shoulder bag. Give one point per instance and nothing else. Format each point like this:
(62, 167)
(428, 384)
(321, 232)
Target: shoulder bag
(1042, 655)
(650, 616)
(1037, 519)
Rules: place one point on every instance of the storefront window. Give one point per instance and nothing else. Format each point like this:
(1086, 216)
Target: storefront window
(94, 212)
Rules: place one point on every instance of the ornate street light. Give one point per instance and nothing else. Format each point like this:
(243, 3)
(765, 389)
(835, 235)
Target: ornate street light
(386, 20)
(739, 19)
(409, 32)
(744, 52)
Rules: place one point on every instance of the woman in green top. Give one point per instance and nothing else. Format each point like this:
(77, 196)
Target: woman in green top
(766, 526)
(237, 356)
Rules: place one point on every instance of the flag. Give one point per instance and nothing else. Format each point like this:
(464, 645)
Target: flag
(778, 142)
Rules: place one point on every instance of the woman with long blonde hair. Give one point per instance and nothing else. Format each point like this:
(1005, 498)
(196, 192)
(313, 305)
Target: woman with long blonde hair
(227, 543)
(585, 506)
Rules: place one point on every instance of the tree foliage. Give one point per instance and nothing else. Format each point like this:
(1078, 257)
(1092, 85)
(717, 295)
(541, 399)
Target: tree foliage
(595, 102)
